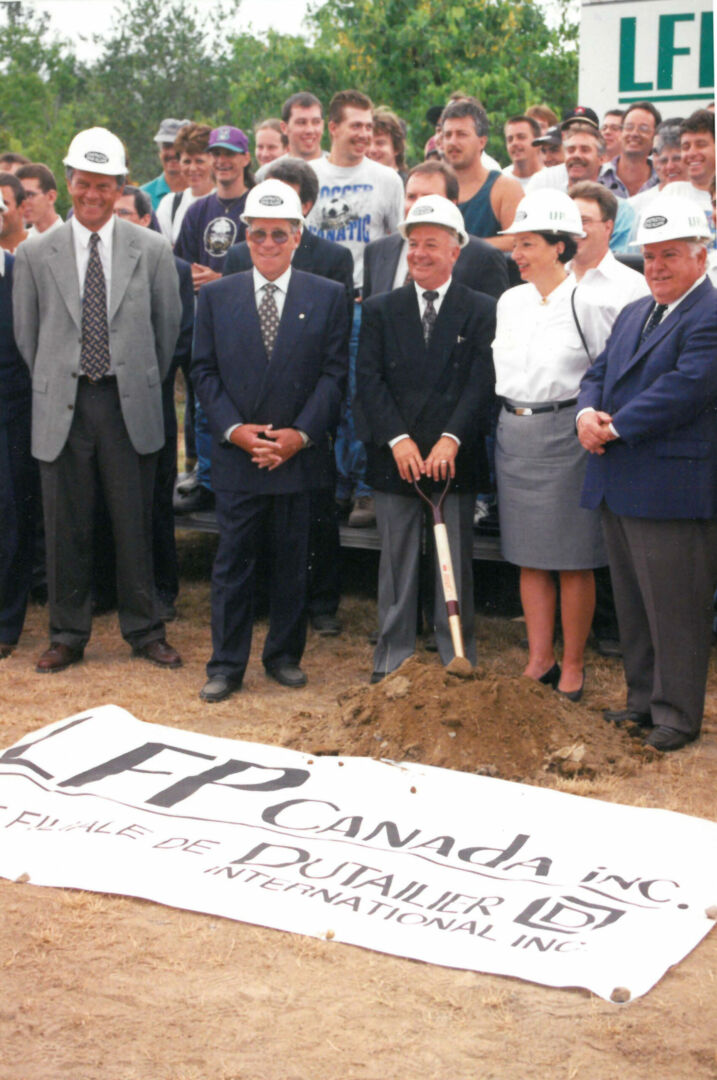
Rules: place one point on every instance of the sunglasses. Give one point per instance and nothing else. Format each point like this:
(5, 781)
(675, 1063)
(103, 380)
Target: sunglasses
(259, 236)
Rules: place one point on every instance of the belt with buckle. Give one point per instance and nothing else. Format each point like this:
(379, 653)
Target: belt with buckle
(554, 406)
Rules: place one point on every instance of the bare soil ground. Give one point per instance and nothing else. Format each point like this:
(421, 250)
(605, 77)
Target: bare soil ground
(96, 987)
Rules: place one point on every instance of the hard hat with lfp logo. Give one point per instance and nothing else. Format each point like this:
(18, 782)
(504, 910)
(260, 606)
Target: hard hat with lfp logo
(671, 217)
(272, 199)
(97, 150)
(435, 210)
(546, 211)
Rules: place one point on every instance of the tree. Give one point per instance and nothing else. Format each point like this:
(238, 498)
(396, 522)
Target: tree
(411, 54)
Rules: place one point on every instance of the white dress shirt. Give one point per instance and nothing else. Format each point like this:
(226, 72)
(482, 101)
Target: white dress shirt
(601, 294)
(81, 242)
(422, 305)
(537, 351)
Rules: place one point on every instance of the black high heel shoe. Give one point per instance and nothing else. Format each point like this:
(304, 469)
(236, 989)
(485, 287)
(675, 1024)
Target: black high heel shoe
(573, 695)
(551, 677)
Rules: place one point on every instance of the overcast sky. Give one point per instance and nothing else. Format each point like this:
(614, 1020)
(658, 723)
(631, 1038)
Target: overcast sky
(70, 17)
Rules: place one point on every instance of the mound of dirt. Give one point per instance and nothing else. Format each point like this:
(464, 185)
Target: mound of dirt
(491, 724)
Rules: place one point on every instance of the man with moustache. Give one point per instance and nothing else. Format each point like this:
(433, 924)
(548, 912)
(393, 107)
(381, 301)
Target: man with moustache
(520, 135)
(170, 179)
(425, 395)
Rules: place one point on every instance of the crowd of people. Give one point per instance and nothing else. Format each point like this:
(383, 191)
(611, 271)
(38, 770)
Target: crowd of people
(350, 328)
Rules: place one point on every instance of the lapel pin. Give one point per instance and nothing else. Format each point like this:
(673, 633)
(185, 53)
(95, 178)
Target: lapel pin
(460, 340)
(302, 316)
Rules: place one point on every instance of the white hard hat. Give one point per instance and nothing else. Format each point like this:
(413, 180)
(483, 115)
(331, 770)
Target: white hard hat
(97, 150)
(272, 199)
(435, 210)
(671, 217)
(546, 211)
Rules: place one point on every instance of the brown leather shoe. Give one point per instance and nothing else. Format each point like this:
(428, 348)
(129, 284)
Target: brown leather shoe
(57, 658)
(5, 651)
(160, 653)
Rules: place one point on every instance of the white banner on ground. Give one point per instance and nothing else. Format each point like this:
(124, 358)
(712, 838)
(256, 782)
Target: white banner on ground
(441, 866)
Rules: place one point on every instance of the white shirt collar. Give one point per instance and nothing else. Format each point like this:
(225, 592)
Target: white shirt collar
(2, 262)
(282, 282)
(82, 235)
(441, 290)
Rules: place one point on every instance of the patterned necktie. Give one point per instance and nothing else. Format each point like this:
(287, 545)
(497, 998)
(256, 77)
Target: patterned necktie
(657, 312)
(95, 351)
(268, 317)
(429, 315)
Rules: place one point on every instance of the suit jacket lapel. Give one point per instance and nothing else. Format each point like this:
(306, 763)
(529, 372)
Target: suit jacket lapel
(125, 256)
(667, 324)
(63, 267)
(438, 355)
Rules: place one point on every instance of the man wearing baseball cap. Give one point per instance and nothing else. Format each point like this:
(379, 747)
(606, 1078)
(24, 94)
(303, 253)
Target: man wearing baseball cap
(213, 223)
(269, 368)
(647, 412)
(170, 178)
(424, 400)
(97, 313)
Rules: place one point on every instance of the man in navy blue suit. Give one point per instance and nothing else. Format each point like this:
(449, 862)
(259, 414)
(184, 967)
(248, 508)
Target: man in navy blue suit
(269, 368)
(647, 412)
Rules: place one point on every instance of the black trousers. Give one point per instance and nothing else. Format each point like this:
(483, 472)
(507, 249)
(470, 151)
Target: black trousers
(248, 526)
(98, 452)
(19, 498)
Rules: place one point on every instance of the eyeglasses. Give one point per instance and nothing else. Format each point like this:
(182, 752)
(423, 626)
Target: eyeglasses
(260, 236)
(644, 129)
(611, 127)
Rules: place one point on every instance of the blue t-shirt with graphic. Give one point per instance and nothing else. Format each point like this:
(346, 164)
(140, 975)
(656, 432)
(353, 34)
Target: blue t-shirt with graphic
(211, 225)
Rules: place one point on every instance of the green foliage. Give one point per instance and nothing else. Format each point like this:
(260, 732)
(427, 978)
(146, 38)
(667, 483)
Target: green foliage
(173, 58)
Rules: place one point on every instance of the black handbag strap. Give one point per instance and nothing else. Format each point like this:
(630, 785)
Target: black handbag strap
(578, 326)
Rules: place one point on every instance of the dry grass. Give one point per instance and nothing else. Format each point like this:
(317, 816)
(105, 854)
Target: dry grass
(113, 988)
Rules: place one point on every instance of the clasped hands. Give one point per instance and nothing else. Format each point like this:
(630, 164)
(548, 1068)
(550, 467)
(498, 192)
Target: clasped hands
(440, 463)
(594, 430)
(268, 447)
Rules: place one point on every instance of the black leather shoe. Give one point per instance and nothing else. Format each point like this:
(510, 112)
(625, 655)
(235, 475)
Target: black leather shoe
(5, 651)
(326, 625)
(609, 647)
(287, 674)
(667, 738)
(551, 676)
(198, 501)
(429, 642)
(377, 677)
(618, 717)
(219, 687)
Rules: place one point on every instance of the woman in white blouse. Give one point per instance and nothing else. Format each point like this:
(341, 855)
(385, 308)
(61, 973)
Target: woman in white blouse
(195, 163)
(539, 362)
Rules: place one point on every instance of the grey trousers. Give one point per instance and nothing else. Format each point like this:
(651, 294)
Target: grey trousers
(399, 524)
(663, 575)
(98, 450)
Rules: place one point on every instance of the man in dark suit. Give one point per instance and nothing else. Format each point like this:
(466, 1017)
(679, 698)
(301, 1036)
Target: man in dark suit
(269, 368)
(480, 266)
(327, 259)
(647, 412)
(97, 314)
(19, 485)
(425, 392)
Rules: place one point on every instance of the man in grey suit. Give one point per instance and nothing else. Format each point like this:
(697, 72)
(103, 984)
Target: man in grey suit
(97, 315)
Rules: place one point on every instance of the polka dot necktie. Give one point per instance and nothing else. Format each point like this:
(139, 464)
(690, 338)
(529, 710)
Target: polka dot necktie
(95, 350)
(268, 317)
(429, 315)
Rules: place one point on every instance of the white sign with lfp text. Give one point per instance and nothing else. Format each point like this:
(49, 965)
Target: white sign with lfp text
(427, 863)
(647, 50)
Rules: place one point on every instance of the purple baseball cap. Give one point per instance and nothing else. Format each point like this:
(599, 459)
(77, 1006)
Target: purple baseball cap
(229, 138)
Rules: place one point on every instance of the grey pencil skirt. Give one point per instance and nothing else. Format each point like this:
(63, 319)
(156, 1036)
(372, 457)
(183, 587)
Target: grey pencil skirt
(540, 468)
